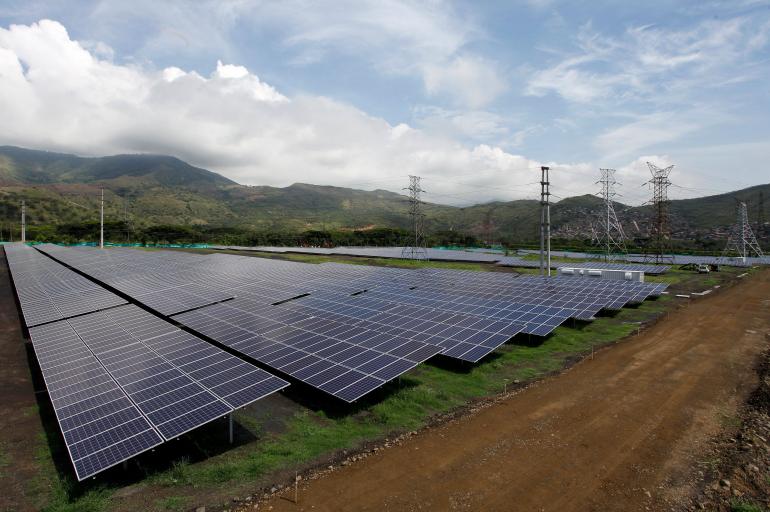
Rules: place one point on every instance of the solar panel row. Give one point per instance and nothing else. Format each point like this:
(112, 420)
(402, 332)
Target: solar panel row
(121, 380)
(48, 291)
(339, 359)
(113, 373)
(373, 252)
(163, 284)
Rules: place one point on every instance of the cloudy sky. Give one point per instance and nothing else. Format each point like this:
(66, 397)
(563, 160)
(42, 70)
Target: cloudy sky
(472, 96)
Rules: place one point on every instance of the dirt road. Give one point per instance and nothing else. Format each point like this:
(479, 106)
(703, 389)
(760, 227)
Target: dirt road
(619, 432)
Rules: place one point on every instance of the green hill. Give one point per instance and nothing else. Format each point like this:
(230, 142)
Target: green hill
(148, 190)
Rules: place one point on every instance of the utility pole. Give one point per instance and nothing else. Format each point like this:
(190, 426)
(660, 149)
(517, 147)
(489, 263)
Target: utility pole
(418, 250)
(613, 239)
(23, 221)
(545, 222)
(742, 240)
(660, 230)
(101, 222)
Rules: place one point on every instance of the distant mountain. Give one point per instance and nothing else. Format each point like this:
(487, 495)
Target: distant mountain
(158, 189)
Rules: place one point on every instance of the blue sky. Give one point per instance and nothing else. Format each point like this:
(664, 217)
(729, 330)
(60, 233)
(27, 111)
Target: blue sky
(473, 96)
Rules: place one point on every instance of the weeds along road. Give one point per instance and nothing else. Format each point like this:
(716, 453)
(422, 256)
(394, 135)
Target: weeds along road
(620, 432)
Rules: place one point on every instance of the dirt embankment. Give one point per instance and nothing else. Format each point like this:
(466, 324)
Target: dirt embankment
(624, 431)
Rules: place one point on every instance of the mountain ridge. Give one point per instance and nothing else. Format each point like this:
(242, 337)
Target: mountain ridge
(161, 189)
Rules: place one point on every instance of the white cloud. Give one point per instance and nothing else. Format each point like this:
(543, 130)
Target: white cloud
(645, 131)
(477, 125)
(471, 81)
(653, 63)
(427, 40)
(54, 94)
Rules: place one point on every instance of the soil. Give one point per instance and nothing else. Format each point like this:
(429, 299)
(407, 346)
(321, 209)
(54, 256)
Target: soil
(736, 470)
(625, 430)
(20, 422)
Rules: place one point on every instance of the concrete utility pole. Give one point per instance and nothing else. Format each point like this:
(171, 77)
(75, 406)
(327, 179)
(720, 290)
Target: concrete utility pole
(101, 222)
(23, 221)
(545, 222)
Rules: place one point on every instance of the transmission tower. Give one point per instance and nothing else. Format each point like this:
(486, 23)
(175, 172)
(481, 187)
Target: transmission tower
(742, 240)
(660, 233)
(417, 251)
(761, 215)
(612, 237)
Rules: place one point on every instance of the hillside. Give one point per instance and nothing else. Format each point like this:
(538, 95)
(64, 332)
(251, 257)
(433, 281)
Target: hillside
(148, 190)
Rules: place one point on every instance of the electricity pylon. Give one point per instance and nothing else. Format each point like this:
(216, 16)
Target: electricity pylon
(611, 238)
(418, 250)
(660, 233)
(742, 241)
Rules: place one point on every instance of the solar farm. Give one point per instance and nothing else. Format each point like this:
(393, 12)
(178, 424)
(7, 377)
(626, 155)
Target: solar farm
(138, 348)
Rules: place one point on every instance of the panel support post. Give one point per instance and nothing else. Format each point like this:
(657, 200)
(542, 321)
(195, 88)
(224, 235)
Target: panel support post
(230, 421)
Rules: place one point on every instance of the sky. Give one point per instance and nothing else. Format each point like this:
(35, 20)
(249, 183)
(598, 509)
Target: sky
(472, 96)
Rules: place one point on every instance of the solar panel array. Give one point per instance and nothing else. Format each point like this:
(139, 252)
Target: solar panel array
(287, 315)
(48, 291)
(337, 358)
(121, 380)
(479, 256)
(166, 285)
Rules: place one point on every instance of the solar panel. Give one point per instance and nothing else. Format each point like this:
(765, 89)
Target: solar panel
(100, 425)
(333, 357)
(375, 252)
(167, 285)
(48, 291)
(123, 373)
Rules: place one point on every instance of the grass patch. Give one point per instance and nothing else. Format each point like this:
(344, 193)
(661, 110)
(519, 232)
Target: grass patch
(745, 506)
(57, 493)
(172, 503)
(5, 459)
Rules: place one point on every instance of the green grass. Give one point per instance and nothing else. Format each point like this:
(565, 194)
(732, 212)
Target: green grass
(172, 503)
(5, 459)
(58, 493)
(745, 506)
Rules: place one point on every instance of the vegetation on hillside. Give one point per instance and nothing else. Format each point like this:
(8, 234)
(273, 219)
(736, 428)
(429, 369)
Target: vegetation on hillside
(161, 198)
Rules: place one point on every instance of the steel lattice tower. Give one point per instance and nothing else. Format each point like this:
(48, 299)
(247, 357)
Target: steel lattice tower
(761, 215)
(612, 237)
(660, 232)
(742, 240)
(418, 250)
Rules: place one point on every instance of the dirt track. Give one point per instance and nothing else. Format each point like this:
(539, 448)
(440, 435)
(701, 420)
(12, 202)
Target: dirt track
(620, 432)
